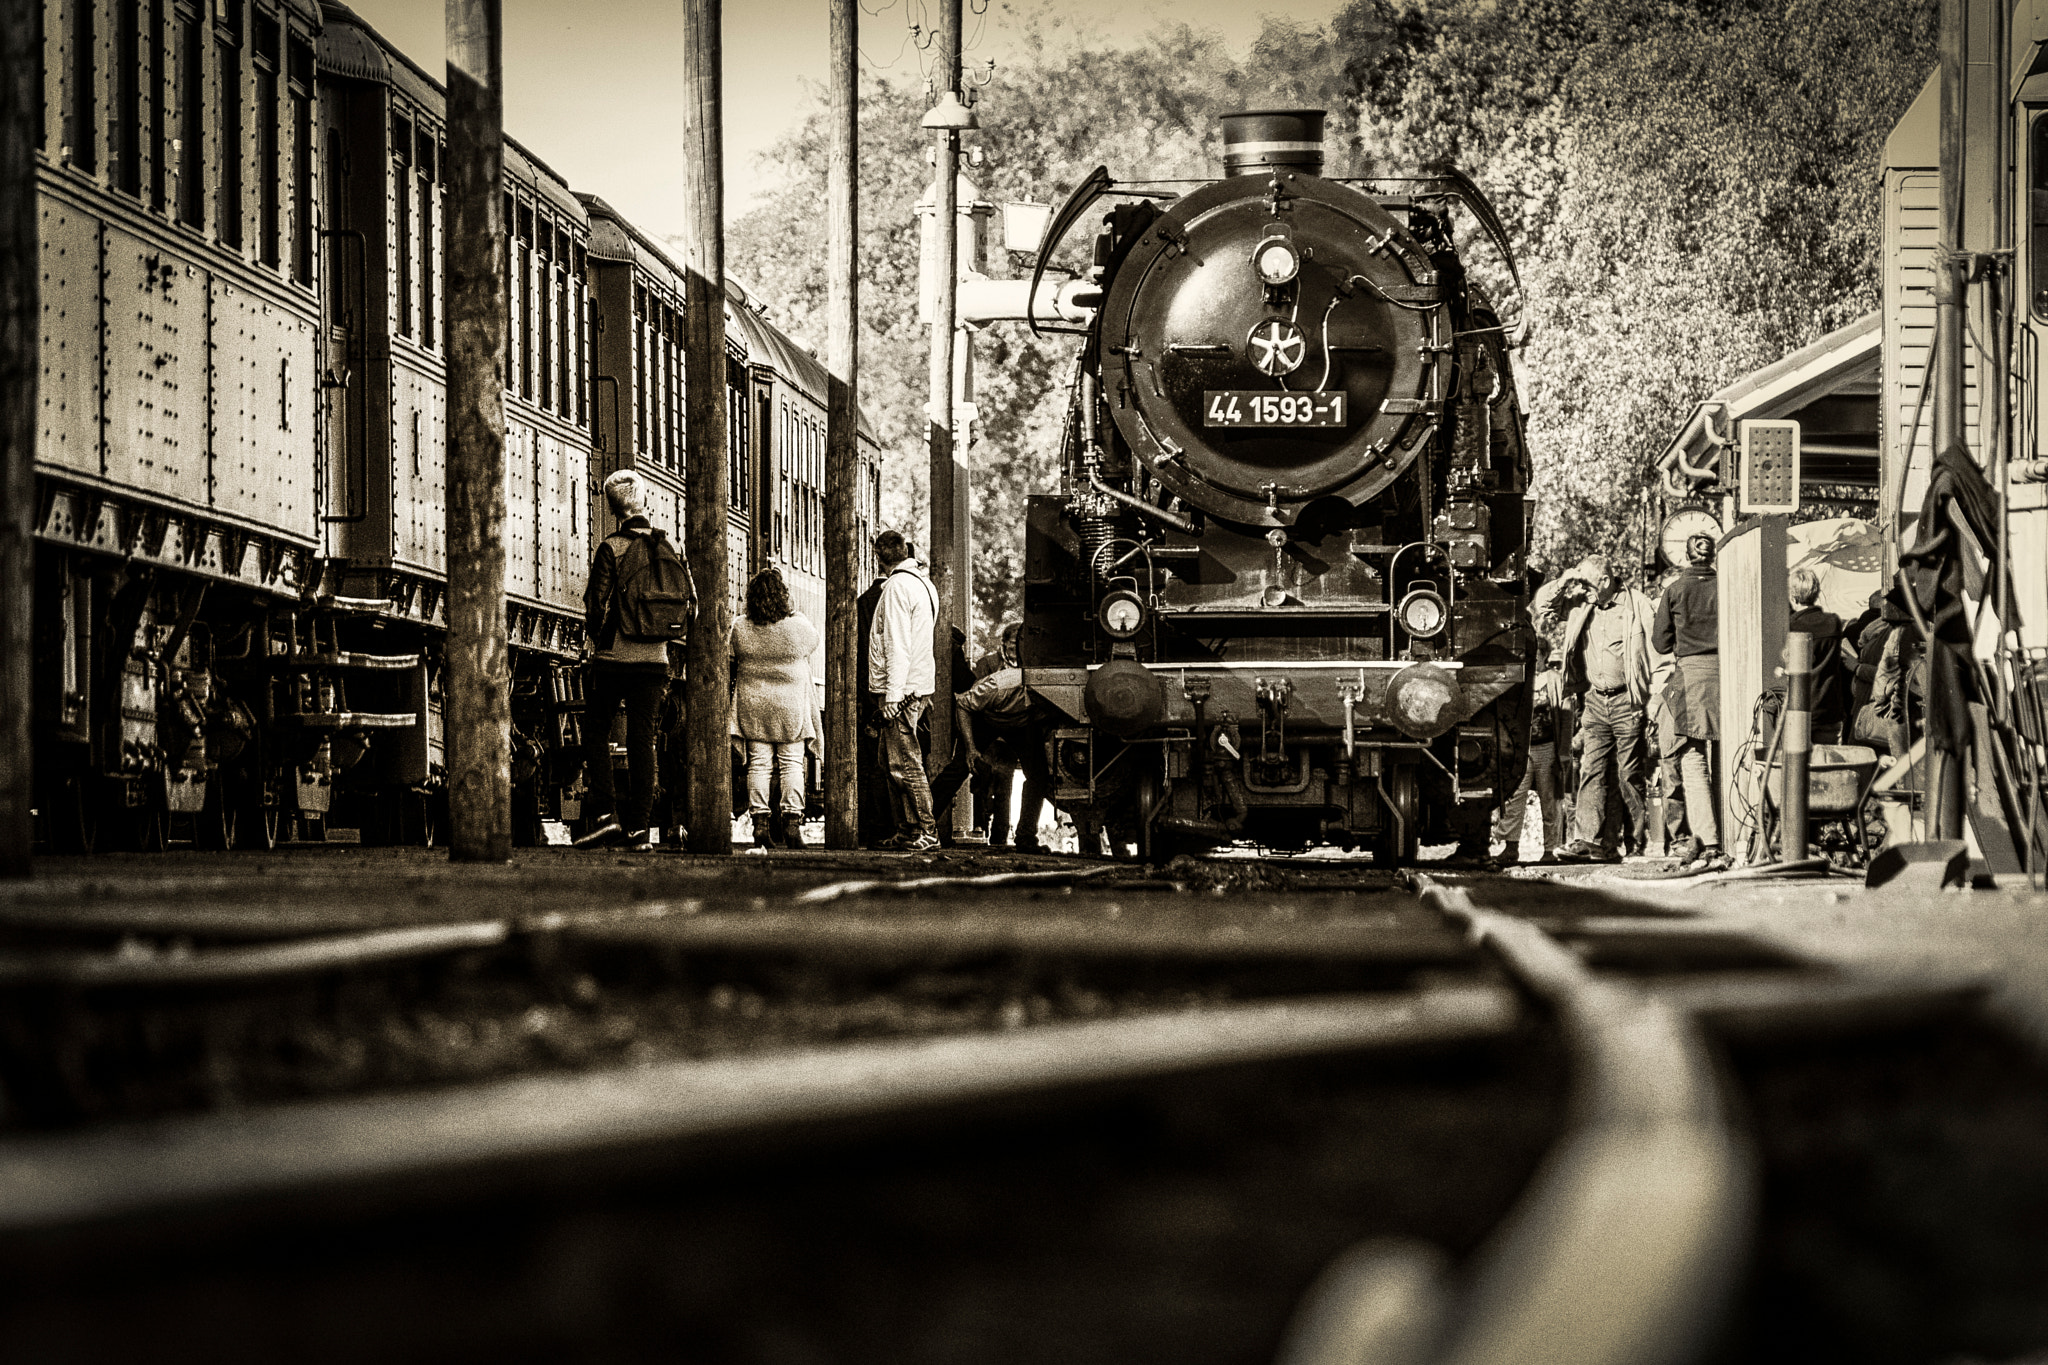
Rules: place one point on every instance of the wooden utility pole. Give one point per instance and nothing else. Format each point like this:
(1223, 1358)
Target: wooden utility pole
(942, 555)
(707, 730)
(842, 439)
(477, 684)
(20, 307)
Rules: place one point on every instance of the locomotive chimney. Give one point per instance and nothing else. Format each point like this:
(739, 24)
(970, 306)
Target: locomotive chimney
(1262, 140)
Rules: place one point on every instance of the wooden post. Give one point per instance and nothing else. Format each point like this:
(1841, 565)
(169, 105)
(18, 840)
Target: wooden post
(20, 366)
(941, 556)
(707, 737)
(842, 439)
(1750, 575)
(477, 686)
(1944, 798)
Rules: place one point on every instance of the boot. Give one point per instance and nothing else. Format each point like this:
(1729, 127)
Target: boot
(789, 830)
(765, 832)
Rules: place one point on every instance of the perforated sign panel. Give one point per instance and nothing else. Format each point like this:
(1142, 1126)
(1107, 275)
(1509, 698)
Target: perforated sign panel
(1770, 466)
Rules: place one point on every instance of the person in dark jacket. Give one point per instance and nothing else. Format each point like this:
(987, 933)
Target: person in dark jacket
(1830, 696)
(1688, 625)
(877, 813)
(1868, 644)
(622, 672)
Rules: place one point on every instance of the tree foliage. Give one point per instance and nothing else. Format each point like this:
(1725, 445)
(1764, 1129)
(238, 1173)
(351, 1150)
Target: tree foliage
(1691, 190)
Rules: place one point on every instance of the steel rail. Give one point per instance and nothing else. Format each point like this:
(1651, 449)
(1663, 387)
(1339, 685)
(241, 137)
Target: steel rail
(865, 886)
(142, 966)
(1629, 1240)
(494, 1133)
(896, 937)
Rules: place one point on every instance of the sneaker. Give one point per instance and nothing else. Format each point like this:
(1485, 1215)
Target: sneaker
(923, 843)
(1710, 859)
(893, 844)
(641, 840)
(605, 835)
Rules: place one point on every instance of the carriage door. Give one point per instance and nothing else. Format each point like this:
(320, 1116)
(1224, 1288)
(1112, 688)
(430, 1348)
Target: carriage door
(2029, 501)
(343, 385)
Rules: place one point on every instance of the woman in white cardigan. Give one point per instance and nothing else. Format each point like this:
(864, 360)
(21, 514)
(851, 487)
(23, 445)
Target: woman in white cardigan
(774, 705)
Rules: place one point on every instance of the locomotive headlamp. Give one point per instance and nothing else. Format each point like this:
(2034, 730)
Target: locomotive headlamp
(1121, 613)
(1275, 260)
(1423, 614)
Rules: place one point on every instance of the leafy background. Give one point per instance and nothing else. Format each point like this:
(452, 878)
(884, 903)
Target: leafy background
(1691, 189)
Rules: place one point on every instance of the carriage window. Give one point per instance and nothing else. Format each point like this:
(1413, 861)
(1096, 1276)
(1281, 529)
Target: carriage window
(401, 194)
(228, 124)
(128, 72)
(2037, 209)
(544, 305)
(81, 113)
(427, 178)
(301, 75)
(639, 370)
(269, 243)
(191, 145)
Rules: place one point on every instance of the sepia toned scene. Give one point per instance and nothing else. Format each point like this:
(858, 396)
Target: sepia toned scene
(1349, 682)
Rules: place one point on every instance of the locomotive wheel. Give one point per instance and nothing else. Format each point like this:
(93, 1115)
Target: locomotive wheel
(213, 827)
(258, 824)
(74, 816)
(148, 829)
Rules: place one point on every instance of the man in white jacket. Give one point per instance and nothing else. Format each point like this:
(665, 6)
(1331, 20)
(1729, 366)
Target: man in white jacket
(902, 677)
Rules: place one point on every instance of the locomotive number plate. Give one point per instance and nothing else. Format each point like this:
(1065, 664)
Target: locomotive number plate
(1264, 408)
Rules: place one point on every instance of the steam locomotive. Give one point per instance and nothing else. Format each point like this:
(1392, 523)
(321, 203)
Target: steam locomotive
(1281, 595)
(240, 562)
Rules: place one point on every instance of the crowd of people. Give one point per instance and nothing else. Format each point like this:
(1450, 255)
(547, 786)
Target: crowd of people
(903, 790)
(1627, 694)
(1630, 695)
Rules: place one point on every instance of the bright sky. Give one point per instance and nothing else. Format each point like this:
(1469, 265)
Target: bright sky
(590, 84)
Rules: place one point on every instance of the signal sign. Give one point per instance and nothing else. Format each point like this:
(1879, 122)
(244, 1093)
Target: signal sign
(1769, 454)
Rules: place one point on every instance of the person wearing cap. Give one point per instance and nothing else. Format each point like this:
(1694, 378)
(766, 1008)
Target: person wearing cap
(1606, 659)
(1688, 625)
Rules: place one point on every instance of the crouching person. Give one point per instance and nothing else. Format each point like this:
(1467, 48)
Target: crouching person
(639, 600)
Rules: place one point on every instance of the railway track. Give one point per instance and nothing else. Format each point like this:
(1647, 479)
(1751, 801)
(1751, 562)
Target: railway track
(1052, 1118)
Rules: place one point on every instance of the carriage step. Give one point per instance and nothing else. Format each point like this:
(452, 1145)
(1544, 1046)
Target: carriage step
(342, 658)
(357, 720)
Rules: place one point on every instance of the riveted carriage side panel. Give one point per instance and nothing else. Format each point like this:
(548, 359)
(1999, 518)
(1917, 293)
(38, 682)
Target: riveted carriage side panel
(157, 362)
(263, 413)
(71, 355)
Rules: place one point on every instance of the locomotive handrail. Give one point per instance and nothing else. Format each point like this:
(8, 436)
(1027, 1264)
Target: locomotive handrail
(1093, 187)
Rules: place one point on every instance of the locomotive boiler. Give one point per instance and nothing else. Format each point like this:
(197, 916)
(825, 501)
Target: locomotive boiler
(1281, 594)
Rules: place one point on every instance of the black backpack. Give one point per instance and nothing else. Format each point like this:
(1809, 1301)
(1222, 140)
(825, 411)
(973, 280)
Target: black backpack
(653, 593)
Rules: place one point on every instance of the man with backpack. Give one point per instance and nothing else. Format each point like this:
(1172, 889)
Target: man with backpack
(639, 600)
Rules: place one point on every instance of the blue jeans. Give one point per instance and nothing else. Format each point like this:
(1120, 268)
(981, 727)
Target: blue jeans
(909, 784)
(1540, 773)
(1611, 758)
(764, 758)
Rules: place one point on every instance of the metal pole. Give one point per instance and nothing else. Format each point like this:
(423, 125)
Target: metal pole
(942, 557)
(707, 730)
(20, 305)
(1795, 728)
(477, 685)
(1944, 776)
(842, 439)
